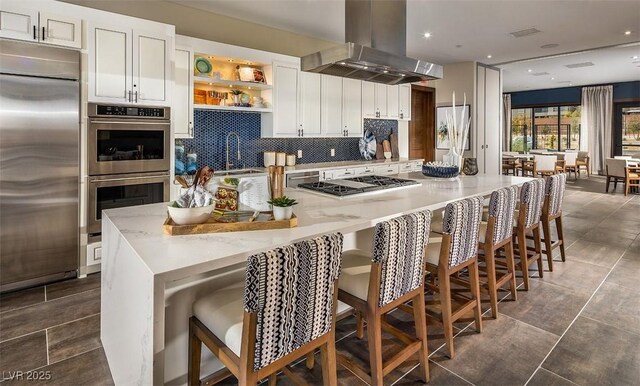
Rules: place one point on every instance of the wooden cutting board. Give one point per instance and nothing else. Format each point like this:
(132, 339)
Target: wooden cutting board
(395, 151)
(379, 151)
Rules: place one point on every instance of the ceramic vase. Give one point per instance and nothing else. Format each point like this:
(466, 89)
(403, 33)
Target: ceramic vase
(470, 166)
(236, 100)
(453, 158)
(282, 212)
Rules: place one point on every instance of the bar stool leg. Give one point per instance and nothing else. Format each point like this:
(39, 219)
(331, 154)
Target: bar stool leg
(538, 250)
(359, 325)
(374, 332)
(329, 368)
(419, 316)
(546, 231)
(491, 279)
(511, 267)
(445, 303)
(524, 260)
(560, 236)
(311, 360)
(474, 281)
(195, 350)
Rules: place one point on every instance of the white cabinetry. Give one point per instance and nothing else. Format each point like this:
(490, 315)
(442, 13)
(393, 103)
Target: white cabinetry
(404, 102)
(309, 115)
(369, 100)
(285, 99)
(129, 66)
(352, 107)
(332, 111)
(380, 97)
(488, 122)
(182, 107)
(392, 102)
(383, 170)
(44, 27)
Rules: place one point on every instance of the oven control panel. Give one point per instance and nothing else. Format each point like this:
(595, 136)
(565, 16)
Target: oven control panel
(127, 111)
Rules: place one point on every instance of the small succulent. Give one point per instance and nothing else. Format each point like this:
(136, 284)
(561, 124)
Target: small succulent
(283, 201)
(237, 92)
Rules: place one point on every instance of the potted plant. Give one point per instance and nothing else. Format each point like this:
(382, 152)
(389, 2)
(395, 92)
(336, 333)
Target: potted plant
(282, 207)
(236, 94)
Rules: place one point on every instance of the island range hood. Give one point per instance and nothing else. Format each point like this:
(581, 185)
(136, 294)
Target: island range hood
(375, 48)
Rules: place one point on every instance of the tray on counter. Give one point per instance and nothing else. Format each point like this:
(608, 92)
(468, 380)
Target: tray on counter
(214, 225)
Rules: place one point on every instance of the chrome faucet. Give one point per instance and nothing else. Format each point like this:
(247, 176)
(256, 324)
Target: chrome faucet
(228, 166)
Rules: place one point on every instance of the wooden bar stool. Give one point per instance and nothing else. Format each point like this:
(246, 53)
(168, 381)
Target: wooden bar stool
(552, 210)
(375, 285)
(285, 309)
(455, 251)
(495, 234)
(528, 220)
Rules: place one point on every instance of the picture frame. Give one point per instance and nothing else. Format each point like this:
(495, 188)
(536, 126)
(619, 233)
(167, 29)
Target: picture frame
(258, 76)
(442, 136)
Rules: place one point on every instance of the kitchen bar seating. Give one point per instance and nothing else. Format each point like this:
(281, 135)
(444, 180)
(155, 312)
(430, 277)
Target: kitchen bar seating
(528, 221)
(377, 283)
(552, 211)
(496, 234)
(285, 309)
(455, 251)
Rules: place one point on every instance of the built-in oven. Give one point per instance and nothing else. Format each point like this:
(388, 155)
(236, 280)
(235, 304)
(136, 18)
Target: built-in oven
(126, 139)
(122, 190)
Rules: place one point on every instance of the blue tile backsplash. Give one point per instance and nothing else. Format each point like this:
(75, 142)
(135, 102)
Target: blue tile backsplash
(211, 128)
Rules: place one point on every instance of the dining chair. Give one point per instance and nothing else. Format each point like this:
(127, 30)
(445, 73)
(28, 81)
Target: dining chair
(285, 309)
(583, 161)
(379, 282)
(447, 256)
(616, 169)
(527, 217)
(570, 164)
(632, 178)
(510, 165)
(496, 234)
(552, 211)
(545, 164)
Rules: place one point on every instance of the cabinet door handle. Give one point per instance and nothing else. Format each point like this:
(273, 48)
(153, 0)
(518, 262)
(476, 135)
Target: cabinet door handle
(130, 96)
(191, 129)
(302, 132)
(136, 94)
(43, 34)
(481, 146)
(35, 37)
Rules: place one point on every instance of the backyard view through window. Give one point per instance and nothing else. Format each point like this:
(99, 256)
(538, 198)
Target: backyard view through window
(631, 131)
(552, 127)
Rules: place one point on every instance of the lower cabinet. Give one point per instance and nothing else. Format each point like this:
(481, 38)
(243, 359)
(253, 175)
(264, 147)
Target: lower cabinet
(386, 170)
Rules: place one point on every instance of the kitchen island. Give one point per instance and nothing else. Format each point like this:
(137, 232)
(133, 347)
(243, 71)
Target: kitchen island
(149, 279)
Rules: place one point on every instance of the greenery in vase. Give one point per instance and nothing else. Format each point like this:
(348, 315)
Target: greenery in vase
(237, 92)
(283, 201)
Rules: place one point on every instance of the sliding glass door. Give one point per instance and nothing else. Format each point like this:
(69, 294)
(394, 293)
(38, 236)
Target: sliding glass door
(626, 129)
(548, 127)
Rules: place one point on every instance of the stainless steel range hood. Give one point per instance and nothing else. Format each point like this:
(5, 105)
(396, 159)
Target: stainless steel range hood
(375, 51)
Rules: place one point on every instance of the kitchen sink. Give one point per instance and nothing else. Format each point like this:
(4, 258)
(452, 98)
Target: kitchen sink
(238, 172)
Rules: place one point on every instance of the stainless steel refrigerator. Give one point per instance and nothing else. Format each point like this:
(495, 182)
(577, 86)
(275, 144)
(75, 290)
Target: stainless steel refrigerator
(39, 164)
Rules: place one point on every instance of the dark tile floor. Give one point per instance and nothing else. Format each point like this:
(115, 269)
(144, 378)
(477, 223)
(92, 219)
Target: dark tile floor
(580, 324)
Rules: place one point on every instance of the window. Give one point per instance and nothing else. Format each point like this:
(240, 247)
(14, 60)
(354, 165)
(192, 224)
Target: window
(631, 131)
(549, 127)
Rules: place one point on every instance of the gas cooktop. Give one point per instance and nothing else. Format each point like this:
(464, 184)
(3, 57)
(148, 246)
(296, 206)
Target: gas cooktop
(357, 185)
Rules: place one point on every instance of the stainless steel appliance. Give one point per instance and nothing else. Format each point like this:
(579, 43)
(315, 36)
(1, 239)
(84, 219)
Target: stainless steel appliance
(128, 159)
(295, 179)
(375, 48)
(358, 185)
(126, 139)
(122, 190)
(39, 164)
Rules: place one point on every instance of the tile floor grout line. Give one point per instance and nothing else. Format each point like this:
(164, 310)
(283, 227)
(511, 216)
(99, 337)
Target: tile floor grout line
(407, 373)
(48, 301)
(43, 329)
(457, 375)
(46, 346)
(575, 318)
(559, 376)
(609, 325)
(66, 359)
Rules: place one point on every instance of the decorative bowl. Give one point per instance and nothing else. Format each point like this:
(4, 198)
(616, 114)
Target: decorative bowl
(440, 170)
(187, 216)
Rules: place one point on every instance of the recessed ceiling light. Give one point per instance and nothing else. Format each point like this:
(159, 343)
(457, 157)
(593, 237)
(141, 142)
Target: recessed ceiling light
(489, 56)
(570, 84)
(529, 70)
(210, 84)
(627, 32)
(427, 35)
(553, 78)
(634, 57)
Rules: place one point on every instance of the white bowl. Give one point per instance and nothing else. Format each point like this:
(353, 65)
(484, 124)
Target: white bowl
(187, 216)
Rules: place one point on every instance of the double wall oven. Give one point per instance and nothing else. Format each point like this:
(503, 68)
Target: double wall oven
(128, 159)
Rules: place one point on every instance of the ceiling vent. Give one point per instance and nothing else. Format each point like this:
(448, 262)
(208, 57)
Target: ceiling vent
(579, 65)
(564, 82)
(540, 73)
(524, 32)
(550, 45)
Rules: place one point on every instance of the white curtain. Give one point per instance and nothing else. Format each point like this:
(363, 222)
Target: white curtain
(597, 117)
(506, 121)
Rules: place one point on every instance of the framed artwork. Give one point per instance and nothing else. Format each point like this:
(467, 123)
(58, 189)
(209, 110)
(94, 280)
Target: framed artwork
(442, 131)
(258, 76)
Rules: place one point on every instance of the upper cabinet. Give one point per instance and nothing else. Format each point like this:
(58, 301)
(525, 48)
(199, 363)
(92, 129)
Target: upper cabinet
(44, 27)
(392, 102)
(352, 107)
(404, 102)
(129, 66)
(286, 77)
(331, 106)
(309, 115)
(182, 107)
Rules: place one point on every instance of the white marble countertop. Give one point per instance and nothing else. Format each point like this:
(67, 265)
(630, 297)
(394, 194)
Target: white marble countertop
(176, 257)
(345, 164)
